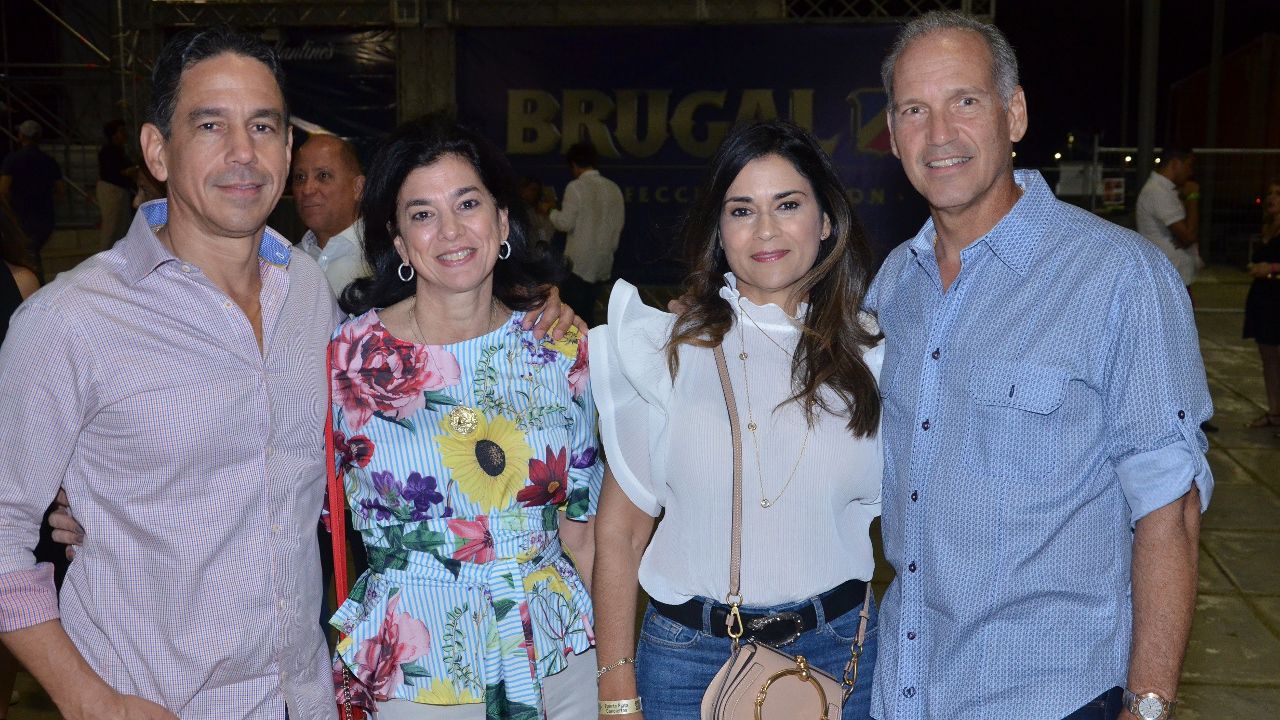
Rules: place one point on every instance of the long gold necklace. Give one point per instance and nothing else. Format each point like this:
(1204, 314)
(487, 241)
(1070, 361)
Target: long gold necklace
(752, 427)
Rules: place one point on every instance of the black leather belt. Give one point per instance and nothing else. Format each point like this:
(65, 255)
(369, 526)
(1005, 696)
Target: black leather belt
(771, 629)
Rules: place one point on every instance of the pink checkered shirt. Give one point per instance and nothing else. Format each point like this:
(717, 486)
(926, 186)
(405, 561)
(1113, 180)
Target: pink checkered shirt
(195, 464)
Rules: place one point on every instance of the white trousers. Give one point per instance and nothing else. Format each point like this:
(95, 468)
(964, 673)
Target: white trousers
(568, 695)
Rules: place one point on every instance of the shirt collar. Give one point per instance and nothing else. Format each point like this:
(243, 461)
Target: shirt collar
(768, 315)
(144, 252)
(1162, 181)
(1015, 238)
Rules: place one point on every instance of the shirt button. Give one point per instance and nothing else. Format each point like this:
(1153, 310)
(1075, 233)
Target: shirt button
(275, 528)
(281, 603)
(937, 353)
(914, 496)
(1182, 415)
(908, 692)
(911, 635)
(911, 567)
(186, 268)
(925, 425)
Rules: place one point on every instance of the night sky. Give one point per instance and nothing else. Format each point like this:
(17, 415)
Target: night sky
(1072, 62)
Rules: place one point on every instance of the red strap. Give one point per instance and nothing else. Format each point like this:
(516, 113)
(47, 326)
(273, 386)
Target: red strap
(337, 495)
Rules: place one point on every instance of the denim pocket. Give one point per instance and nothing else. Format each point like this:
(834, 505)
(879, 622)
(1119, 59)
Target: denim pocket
(845, 627)
(664, 631)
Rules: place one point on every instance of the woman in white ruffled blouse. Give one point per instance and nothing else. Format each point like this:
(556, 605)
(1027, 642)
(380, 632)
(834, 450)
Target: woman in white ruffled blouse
(780, 266)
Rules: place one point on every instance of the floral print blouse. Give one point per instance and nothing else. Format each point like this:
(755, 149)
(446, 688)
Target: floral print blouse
(457, 460)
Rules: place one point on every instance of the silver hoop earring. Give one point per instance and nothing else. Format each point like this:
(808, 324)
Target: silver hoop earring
(504, 246)
(400, 272)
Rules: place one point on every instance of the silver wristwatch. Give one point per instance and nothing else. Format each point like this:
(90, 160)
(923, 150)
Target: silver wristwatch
(1148, 706)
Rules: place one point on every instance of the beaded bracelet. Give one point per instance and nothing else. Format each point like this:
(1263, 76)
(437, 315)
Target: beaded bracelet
(606, 668)
(620, 707)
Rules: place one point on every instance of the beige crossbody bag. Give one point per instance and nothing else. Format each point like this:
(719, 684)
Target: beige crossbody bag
(759, 682)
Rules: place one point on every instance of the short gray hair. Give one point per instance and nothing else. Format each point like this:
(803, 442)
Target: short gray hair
(1004, 62)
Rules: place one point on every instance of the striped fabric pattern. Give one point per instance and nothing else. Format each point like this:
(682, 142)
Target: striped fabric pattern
(194, 462)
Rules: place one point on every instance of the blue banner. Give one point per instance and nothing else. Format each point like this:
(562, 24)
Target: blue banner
(657, 101)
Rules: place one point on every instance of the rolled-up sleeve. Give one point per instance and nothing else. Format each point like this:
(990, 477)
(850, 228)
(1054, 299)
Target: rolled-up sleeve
(1156, 392)
(44, 380)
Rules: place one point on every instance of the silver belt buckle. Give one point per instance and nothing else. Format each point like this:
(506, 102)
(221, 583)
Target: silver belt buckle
(756, 625)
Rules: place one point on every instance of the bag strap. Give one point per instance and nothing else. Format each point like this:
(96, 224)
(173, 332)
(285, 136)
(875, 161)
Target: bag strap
(337, 495)
(735, 546)
(734, 598)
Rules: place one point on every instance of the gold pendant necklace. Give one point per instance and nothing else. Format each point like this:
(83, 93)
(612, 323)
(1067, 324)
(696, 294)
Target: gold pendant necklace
(752, 427)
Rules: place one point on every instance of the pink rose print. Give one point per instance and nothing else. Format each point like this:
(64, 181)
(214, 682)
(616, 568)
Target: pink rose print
(578, 374)
(401, 639)
(479, 545)
(374, 373)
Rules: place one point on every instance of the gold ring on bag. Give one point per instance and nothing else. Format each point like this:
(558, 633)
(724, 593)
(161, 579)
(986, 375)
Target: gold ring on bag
(801, 669)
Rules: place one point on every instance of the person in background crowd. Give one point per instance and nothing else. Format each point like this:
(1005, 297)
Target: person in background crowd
(780, 266)
(1262, 305)
(327, 182)
(1043, 392)
(16, 285)
(115, 188)
(1168, 214)
(149, 188)
(592, 215)
(468, 448)
(30, 181)
(538, 209)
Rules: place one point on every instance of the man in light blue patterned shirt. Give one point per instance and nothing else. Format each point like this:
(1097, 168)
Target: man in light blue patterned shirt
(1043, 394)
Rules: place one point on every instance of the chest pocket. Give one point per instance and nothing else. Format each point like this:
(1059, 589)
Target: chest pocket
(1017, 429)
(1037, 389)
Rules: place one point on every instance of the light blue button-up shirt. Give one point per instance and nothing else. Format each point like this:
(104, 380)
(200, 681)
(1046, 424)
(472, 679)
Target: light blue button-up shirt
(1032, 413)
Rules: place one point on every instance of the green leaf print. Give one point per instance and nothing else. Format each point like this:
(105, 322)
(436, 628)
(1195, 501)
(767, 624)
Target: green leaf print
(381, 558)
(405, 423)
(424, 539)
(579, 502)
(414, 670)
(498, 707)
(453, 648)
(358, 591)
(502, 607)
(436, 398)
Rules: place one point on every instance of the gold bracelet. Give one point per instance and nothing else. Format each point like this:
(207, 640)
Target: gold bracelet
(606, 668)
(620, 707)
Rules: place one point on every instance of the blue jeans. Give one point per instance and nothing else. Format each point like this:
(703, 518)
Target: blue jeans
(1106, 706)
(675, 664)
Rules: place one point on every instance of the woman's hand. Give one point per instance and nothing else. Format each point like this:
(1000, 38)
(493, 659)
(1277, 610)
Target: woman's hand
(1260, 269)
(553, 317)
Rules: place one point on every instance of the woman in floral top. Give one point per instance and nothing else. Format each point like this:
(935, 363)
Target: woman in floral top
(468, 450)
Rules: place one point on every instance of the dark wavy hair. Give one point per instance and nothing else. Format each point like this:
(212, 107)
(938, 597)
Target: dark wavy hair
(521, 282)
(833, 339)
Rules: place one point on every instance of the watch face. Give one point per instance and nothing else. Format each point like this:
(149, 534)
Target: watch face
(1150, 708)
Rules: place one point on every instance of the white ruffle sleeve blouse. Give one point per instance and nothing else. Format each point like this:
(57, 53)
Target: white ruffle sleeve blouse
(670, 450)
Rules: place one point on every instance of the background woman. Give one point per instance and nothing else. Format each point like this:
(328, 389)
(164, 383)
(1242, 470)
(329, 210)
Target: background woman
(1262, 306)
(468, 447)
(780, 266)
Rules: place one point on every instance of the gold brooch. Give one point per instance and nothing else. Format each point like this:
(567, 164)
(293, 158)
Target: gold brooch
(463, 420)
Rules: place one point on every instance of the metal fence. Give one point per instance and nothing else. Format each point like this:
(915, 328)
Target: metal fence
(1232, 181)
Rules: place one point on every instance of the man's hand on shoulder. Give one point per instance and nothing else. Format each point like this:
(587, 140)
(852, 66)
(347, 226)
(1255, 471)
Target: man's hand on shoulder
(553, 317)
(66, 530)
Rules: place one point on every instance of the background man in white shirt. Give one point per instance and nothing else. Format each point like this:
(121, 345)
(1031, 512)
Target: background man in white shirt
(592, 215)
(1168, 212)
(327, 182)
